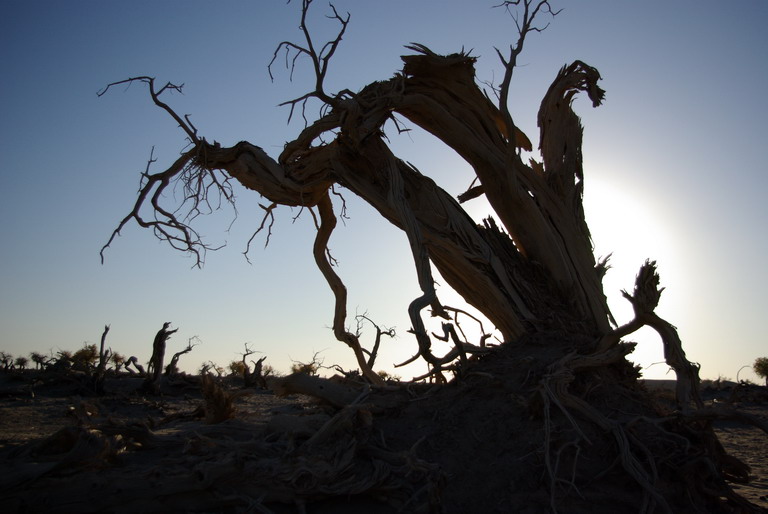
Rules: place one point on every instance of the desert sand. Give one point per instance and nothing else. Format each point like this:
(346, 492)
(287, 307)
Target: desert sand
(64, 451)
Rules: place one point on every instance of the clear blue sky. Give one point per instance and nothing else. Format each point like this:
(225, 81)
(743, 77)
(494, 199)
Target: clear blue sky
(674, 163)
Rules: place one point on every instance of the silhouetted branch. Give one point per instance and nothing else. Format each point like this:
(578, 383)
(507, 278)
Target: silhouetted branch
(456, 312)
(167, 227)
(190, 170)
(377, 341)
(132, 360)
(268, 214)
(319, 250)
(198, 183)
(150, 81)
(172, 368)
(320, 59)
(525, 25)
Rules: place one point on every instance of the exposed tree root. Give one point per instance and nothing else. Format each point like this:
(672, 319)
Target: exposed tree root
(552, 434)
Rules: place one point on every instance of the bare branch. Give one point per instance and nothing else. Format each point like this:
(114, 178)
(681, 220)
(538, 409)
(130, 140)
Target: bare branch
(320, 59)
(525, 25)
(390, 332)
(172, 367)
(484, 335)
(190, 130)
(343, 213)
(268, 214)
(327, 224)
(197, 181)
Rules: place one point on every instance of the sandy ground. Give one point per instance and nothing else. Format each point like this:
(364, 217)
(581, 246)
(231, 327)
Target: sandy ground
(36, 414)
(751, 446)
(746, 442)
(30, 411)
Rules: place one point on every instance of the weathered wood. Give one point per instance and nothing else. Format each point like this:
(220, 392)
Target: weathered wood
(644, 300)
(316, 387)
(155, 372)
(443, 98)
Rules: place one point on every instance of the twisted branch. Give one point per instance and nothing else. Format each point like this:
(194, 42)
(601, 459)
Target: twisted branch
(320, 248)
(198, 182)
(644, 300)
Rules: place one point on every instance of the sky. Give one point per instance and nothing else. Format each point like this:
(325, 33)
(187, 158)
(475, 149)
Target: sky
(674, 170)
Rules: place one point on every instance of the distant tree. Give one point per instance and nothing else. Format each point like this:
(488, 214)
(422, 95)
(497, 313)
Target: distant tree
(761, 368)
(155, 367)
(21, 362)
(236, 368)
(267, 370)
(64, 355)
(134, 361)
(173, 366)
(85, 358)
(63, 360)
(6, 360)
(103, 358)
(39, 359)
(257, 377)
(251, 377)
(308, 368)
(97, 379)
(388, 376)
(209, 366)
(117, 360)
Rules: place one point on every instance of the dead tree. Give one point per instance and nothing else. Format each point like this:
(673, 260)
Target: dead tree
(535, 271)
(155, 368)
(255, 377)
(97, 380)
(374, 351)
(172, 367)
(6, 361)
(530, 269)
(310, 367)
(103, 354)
(132, 360)
(40, 360)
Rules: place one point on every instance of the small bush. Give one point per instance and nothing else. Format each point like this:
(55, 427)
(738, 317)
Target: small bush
(761, 368)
